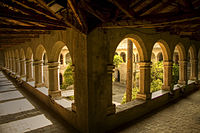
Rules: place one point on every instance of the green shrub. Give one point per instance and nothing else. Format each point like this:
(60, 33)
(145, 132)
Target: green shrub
(135, 90)
(175, 73)
(117, 60)
(68, 77)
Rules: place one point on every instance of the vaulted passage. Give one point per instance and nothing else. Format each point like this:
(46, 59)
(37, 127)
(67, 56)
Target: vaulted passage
(103, 63)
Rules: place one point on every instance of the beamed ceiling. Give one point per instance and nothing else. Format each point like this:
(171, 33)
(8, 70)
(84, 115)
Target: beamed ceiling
(21, 20)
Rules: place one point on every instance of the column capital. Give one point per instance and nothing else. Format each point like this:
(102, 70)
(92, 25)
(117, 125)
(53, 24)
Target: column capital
(37, 62)
(144, 65)
(28, 61)
(53, 65)
(110, 68)
(193, 60)
(167, 63)
(182, 61)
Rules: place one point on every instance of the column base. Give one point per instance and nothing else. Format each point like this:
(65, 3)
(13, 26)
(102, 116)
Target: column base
(193, 78)
(22, 76)
(29, 79)
(166, 87)
(55, 94)
(182, 82)
(111, 109)
(39, 85)
(143, 96)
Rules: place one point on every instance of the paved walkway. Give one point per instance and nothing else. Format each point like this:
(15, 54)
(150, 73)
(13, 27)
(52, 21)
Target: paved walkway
(20, 112)
(180, 117)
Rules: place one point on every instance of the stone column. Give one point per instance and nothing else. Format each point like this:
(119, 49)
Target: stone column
(29, 75)
(182, 72)
(111, 108)
(13, 65)
(17, 66)
(129, 71)
(54, 86)
(145, 81)
(194, 70)
(38, 73)
(167, 75)
(10, 63)
(22, 68)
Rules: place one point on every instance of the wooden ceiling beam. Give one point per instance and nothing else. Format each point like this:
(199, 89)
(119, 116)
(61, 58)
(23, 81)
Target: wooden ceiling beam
(124, 7)
(33, 6)
(8, 13)
(17, 37)
(29, 32)
(14, 40)
(30, 27)
(148, 7)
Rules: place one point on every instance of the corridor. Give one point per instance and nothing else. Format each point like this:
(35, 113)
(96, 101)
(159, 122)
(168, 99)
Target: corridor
(20, 112)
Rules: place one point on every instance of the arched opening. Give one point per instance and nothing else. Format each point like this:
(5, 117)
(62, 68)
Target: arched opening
(40, 67)
(157, 68)
(129, 55)
(61, 79)
(160, 56)
(153, 57)
(123, 55)
(45, 70)
(189, 65)
(67, 58)
(178, 59)
(61, 59)
(175, 69)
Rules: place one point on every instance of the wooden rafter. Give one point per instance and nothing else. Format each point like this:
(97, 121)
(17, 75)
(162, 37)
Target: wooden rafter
(3, 32)
(124, 7)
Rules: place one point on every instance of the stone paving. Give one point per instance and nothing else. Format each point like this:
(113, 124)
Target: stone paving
(178, 117)
(20, 112)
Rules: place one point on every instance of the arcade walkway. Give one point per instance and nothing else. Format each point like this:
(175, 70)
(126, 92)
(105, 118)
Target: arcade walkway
(20, 112)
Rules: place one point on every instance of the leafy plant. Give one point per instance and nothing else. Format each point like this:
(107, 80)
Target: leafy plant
(68, 77)
(117, 60)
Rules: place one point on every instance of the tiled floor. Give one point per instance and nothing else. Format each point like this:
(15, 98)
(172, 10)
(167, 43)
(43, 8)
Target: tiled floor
(20, 113)
(179, 117)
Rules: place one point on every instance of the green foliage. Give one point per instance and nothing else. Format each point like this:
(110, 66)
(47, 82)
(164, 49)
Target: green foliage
(117, 60)
(135, 90)
(156, 76)
(68, 77)
(175, 74)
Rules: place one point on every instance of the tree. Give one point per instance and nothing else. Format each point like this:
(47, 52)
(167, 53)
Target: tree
(117, 60)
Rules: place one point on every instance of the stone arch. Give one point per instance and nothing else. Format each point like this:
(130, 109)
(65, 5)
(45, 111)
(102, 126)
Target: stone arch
(139, 45)
(56, 49)
(29, 53)
(192, 52)
(61, 59)
(181, 52)
(38, 55)
(22, 54)
(165, 50)
(153, 57)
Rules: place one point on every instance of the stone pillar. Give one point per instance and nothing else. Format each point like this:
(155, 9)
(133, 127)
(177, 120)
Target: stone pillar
(22, 68)
(17, 66)
(29, 75)
(145, 81)
(54, 86)
(167, 75)
(13, 65)
(10, 63)
(129, 71)
(194, 69)
(182, 72)
(38, 73)
(111, 108)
